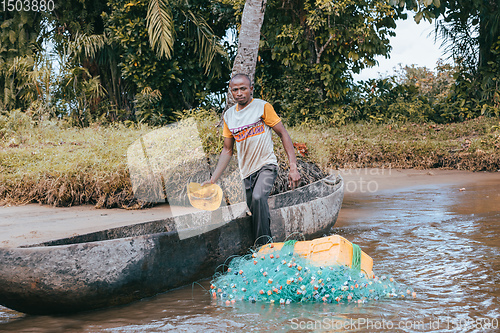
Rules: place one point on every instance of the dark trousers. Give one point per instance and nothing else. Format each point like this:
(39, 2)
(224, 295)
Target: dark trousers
(257, 187)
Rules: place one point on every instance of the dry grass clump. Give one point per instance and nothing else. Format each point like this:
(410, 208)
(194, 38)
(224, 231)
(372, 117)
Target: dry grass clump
(103, 190)
(308, 170)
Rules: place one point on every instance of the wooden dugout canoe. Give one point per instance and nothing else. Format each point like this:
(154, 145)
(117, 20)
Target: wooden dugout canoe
(120, 265)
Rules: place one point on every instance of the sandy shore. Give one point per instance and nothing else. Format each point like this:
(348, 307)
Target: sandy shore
(33, 223)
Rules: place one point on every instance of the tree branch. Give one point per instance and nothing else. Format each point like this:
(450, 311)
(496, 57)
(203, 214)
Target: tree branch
(320, 52)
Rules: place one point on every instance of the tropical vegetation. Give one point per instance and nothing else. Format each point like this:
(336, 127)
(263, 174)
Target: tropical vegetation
(147, 60)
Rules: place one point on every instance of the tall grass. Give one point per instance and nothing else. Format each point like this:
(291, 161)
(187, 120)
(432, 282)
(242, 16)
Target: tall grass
(471, 145)
(55, 164)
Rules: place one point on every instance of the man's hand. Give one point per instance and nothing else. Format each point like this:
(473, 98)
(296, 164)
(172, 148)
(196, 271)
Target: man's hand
(293, 178)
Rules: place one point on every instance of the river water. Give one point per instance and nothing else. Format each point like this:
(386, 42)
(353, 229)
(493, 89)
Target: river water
(440, 239)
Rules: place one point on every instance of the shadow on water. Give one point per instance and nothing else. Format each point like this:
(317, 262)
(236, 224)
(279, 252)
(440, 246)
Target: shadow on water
(439, 240)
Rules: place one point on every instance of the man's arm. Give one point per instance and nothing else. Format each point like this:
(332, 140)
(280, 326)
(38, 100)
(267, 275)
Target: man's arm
(294, 175)
(225, 157)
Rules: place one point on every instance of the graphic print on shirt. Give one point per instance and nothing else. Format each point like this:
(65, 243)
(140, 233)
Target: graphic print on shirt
(242, 133)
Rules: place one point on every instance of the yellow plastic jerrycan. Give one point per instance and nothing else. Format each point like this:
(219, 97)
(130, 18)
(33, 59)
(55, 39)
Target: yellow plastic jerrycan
(325, 251)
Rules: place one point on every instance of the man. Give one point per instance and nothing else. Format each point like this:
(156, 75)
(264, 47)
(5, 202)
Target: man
(249, 123)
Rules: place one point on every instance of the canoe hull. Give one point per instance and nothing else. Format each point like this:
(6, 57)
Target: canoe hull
(84, 275)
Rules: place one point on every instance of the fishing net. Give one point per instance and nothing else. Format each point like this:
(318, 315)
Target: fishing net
(285, 277)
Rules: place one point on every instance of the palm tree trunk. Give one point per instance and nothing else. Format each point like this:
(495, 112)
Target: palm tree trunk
(248, 41)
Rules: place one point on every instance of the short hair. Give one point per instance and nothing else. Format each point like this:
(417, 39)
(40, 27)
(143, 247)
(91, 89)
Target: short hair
(242, 75)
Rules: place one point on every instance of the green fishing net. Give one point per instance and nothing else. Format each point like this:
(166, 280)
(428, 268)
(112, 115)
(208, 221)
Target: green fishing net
(284, 277)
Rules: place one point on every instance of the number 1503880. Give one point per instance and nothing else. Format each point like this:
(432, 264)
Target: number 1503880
(27, 5)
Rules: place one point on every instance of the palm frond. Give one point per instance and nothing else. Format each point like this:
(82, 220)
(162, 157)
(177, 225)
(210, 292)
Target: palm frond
(208, 45)
(160, 28)
(459, 40)
(87, 45)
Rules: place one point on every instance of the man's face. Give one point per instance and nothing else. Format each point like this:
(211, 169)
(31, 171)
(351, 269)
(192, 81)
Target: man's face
(241, 90)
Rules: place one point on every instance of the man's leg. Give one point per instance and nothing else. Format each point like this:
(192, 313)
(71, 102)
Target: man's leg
(258, 187)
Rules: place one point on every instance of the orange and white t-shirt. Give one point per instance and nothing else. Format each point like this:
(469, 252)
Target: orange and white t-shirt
(251, 129)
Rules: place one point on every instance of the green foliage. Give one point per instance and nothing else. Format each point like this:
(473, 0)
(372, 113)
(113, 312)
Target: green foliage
(14, 74)
(28, 86)
(14, 125)
(89, 59)
(19, 44)
(475, 93)
(147, 106)
(468, 28)
(413, 94)
(76, 17)
(161, 31)
(79, 95)
(309, 50)
(382, 100)
(181, 81)
(433, 85)
(470, 31)
(19, 33)
(107, 64)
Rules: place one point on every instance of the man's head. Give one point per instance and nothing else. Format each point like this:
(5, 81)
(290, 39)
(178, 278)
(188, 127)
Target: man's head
(241, 87)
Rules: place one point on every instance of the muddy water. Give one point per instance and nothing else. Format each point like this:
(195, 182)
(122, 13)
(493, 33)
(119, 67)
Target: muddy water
(439, 240)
